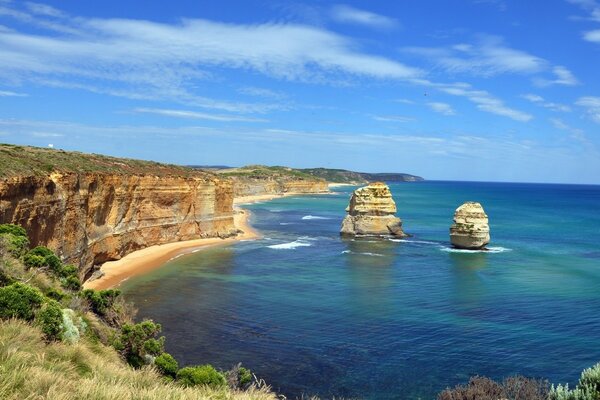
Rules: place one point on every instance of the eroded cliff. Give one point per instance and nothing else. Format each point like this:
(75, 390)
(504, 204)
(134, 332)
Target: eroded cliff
(112, 207)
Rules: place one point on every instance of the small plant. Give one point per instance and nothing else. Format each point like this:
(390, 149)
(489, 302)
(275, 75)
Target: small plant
(50, 319)
(72, 283)
(166, 364)
(53, 262)
(482, 388)
(34, 261)
(19, 301)
(15, 230)
(101, 301)
(205, 375)
(588, 387)
(239, 377)
(41, 251)
(16, 245)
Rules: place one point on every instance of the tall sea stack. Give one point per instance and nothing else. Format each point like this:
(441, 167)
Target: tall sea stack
(470, 229)
(371, 212)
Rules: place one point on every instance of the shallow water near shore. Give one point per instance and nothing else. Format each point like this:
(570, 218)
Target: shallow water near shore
(392, 319)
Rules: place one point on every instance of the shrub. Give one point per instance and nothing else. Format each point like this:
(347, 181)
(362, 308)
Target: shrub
(16, 245)
(19, 301)
(50, 319)
(101, 301)
(239, 377)
(73, 326)
(482, 388)
(53, 262)
(138, 341)
(588, 387)
(68, 270)
(41, 251)
(590, 380)
(201, 375)
(166, 364)
(15, 230)
(55, 294)
(72, 283)
(34, 261)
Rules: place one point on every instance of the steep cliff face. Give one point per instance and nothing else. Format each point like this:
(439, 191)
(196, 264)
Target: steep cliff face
(89, 218)
(371, 212)
(249, 186)
(470, 229)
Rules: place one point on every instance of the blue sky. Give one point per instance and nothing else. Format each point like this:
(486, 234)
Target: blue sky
(487, 90)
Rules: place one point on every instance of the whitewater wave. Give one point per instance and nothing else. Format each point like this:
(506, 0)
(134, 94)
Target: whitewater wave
(413, 241)
(488, 250)
(290, 245)
(313, 217)
(287, 223)
(362, 253)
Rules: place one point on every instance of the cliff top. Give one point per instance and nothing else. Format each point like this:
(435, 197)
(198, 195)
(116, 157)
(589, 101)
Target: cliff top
(263, 172)
(38, 161)
(345, 176)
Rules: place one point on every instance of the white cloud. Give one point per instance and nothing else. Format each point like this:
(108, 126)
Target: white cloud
(563, 77)
(351, 15)
(540, 101)
(576, 133)
(489, 57)
(592, 36)
(393, 118)
(442, 108)
(592, 107)
(4, 93)
(163, 60)
(197, 115)
(261, 92)
(484, 101)
(43, 9)
(404, 101)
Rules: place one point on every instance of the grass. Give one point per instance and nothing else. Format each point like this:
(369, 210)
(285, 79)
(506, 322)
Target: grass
(263, 172)
(30, 368)
(38, 161)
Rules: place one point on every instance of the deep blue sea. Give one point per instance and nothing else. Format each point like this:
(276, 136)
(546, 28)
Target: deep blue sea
(313, 314)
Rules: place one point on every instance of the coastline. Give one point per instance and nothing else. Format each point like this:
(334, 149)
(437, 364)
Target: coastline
(145, 260)
(150, 258)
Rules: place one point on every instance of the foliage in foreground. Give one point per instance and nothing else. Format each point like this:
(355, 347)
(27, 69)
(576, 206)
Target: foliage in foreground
(34, 368)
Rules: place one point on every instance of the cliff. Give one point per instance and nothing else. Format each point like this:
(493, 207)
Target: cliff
(371, 212)
(345, 176)
(90, 209)
(261, 180)
(470, 229)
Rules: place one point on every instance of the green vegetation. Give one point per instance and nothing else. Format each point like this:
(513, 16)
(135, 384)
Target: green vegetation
(351, 177)
(59, 342)
(588, 387)
(37, 161)
(265, 172)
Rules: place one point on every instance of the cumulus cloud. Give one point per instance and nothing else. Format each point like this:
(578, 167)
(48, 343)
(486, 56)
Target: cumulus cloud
(442, 108)
(350, 15)
(562, 77)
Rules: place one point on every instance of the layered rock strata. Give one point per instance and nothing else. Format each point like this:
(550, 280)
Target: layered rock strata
(91, 218)
(372, 212)
(470, 229)
(250, 186)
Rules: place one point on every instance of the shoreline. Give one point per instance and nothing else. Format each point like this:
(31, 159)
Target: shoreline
(150, 258)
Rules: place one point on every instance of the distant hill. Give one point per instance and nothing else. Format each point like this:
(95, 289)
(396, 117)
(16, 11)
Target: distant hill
(345, 176)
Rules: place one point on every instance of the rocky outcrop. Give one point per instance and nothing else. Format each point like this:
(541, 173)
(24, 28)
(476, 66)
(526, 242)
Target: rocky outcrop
(371, 212)
(251, 186)
(470, 229)
(91, 218)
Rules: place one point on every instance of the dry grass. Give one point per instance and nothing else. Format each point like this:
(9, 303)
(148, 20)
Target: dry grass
(33, 369)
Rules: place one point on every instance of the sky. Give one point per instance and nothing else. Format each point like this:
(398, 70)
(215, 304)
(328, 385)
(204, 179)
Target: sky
(485, 90)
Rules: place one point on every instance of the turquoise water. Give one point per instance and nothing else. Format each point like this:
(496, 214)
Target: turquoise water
(379, 319)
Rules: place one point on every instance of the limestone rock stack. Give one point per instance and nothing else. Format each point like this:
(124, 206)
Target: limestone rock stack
(470, 229)
(371, 212)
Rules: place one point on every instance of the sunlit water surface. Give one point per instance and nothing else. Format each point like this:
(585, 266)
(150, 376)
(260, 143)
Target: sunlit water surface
(392, 319)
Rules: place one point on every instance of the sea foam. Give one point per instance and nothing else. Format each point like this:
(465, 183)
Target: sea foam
(488, 250)
(313, 217)
(290, 245)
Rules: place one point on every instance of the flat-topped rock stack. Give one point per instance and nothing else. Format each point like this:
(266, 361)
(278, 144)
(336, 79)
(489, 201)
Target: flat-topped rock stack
(470, 229)
(372, 212)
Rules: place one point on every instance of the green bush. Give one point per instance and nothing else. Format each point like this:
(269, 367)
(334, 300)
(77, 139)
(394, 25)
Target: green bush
(50, 319)
(101, 301)
(201, 375)
(13, 230)
(590, 380)
(166, 364)
(588, 387)
(19, 301)
(55, 294)
(34, 261)
(16, 245)
(138, 341)
(72, 283)
(41, 251)
(244, 376)
(68, 270)
(54, 263)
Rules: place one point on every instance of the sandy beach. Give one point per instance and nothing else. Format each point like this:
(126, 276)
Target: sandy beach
(145, 260)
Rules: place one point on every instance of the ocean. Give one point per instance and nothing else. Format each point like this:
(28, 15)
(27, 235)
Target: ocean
(314, 314)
